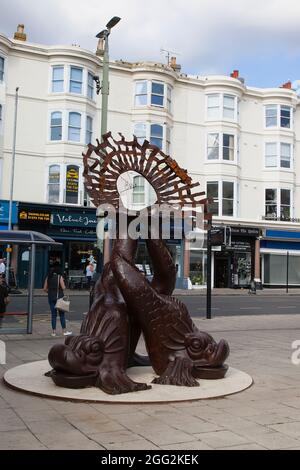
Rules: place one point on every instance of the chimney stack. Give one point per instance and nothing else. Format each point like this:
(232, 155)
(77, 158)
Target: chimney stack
(287, 85)
(100, 47)
(235, 74)
(176, 67)
(19, 34)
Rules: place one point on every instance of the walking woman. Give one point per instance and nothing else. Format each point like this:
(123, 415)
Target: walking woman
(55, 285)
(4, 299)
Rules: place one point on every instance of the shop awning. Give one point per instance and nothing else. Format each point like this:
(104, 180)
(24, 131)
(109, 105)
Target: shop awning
(23, 237)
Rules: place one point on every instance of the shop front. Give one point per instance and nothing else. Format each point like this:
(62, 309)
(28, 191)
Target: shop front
(143, 261)
(4, 221)
(280, 250)
(234, 264)
(74, 228)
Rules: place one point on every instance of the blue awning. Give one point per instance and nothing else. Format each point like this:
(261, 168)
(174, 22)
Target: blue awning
(280, 245)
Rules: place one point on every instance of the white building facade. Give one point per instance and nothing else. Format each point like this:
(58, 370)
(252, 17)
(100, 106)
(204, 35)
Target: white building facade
(241, 143)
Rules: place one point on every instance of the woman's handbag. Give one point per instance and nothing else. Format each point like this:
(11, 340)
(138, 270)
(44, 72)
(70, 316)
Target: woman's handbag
(62, 304)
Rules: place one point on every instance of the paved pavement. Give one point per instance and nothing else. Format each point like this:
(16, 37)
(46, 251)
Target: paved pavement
(266, 416)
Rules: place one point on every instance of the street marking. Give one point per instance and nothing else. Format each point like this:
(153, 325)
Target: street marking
(250, 308)
(289, 306)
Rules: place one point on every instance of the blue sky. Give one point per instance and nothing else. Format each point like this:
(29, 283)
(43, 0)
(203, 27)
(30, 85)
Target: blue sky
(261, 38)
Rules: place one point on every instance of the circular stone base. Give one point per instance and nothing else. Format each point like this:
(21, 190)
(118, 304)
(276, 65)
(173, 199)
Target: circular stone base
(31, 378)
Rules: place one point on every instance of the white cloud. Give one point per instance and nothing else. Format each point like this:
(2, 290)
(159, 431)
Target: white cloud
(209, 35)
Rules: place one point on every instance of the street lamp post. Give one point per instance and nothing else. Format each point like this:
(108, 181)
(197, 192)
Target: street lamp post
(104, 87)
(12, 175)
(105, 72)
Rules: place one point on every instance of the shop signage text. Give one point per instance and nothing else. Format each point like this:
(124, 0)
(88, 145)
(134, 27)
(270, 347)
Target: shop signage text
(72, 231)
(246, 231)
(4, 212)
(74, 220)
(34, 216)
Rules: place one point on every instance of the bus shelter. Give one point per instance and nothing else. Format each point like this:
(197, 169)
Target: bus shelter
(32, 240)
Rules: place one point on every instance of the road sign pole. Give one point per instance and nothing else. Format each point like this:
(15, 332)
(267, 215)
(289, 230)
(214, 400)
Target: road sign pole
(208, 275)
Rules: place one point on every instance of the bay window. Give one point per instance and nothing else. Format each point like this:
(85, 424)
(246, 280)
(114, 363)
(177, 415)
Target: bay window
(153, 93)
(277, 115)
(277, 203)
(65, 184)
(225, 151)
(223, 198)
(222, 106)
(278, 155)
(156, 134)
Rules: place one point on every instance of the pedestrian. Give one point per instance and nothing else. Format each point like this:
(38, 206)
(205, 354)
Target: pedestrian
(2, 266)
(54, 285)
(4, 298)
(89, 273)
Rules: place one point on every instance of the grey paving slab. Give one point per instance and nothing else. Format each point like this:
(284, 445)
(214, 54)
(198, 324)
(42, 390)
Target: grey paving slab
(194, 445)
(289, 429)
(141, 444)
(19, 440)
(222, 439)
(276, 440)
(244, 447)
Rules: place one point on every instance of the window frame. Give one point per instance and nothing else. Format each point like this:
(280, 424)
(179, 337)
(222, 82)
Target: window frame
(88, 131)
(221, 147)
(279, 117)
(76, 67)
(53, 67)
(147, 136)
(1, 118)
(278, 202)
(50, 184)
(219, 116)
(140, 192)
(220, 199)
(2, 71)
(62, 183)
(278, 156)
(56, 126)
(75, 127)
(90, 86)
(167, 95)
(163, 95)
